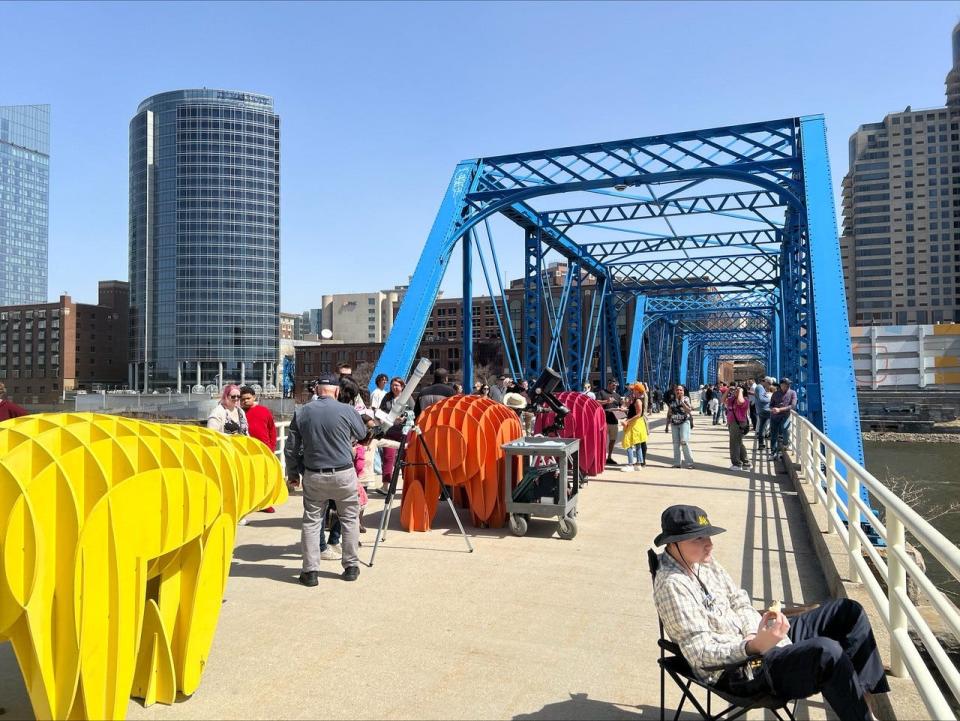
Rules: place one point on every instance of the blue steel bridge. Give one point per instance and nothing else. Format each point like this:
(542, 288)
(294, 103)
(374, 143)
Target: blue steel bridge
(684, 250)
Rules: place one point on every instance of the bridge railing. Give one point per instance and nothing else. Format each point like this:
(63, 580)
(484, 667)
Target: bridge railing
(826, 466)
(281, 439)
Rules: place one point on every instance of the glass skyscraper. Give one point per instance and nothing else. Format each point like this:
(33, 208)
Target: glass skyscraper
(24, 203)
(204, 239)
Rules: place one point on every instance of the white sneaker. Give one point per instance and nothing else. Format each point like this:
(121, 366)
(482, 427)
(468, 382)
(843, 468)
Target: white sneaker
(627, 469)
(735, 468)
(330, 554)
(636, 467)
(242, 522)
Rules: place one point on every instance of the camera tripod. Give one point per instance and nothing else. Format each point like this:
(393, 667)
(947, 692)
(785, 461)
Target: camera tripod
(392, 492)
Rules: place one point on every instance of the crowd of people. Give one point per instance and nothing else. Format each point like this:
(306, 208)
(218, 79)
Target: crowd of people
(334, 454)
(760, 406)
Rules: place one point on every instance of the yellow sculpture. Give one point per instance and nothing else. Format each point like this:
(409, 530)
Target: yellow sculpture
(116, 537)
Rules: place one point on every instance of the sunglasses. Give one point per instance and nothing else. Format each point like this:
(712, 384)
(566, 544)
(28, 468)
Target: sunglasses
(234, 398)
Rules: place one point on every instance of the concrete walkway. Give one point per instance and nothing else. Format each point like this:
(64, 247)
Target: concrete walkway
(523, 628)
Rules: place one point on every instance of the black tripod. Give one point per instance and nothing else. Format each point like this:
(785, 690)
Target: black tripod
(395, 477)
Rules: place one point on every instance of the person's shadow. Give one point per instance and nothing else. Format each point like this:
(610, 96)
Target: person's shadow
(580, 707)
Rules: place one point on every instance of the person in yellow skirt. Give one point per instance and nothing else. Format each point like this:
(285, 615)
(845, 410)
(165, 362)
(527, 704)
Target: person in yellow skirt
(635, 431)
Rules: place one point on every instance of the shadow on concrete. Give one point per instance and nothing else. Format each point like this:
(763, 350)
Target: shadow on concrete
(13, 692)
(249, 562)
(773, 513)
(280, 574)
(260, 520)
(579, 707)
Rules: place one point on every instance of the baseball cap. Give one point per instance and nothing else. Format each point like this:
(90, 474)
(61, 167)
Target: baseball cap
(328, 379)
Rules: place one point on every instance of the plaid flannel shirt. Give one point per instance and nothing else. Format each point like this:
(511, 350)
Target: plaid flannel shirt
(710, 631)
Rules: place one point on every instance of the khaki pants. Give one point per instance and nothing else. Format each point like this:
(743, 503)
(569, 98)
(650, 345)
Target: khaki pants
(318, 488)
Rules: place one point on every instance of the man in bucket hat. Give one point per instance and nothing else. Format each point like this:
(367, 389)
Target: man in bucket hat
(829, 650)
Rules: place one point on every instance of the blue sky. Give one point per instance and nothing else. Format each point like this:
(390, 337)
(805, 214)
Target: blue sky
(379, 101)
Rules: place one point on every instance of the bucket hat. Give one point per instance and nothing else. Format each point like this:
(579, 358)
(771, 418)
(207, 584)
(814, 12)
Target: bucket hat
(681, 523)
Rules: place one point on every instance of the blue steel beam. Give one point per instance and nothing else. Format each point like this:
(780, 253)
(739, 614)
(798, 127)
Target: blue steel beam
(532, 310)
(840, 419)
(765, 240)
(757, 298)
(684, 359)
(574, 327)
(743, 270)
(411, 320)
(614, 349)
(725, 203)
(635, 357)
(466, 352)
(765, 147)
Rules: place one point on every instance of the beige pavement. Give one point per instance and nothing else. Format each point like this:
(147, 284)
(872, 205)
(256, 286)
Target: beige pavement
(529, 628)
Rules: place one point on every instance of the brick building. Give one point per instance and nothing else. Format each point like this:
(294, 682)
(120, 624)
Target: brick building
(49, 348)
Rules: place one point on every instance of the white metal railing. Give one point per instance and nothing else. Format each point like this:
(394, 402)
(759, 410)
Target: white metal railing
(282, 427)
(825, 465)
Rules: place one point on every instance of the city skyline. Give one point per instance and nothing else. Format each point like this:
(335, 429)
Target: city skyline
(374, 124)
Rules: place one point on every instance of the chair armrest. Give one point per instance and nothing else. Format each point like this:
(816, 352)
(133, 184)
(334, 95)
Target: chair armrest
(735, 664)
(669, 646)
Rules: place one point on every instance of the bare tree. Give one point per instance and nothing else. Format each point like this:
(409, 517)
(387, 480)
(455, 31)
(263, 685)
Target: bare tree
(917, 496)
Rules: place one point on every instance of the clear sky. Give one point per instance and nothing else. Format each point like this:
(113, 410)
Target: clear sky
(379, 101)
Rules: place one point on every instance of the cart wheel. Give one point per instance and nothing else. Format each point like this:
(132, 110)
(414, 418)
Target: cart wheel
(518, 524)
(567, 528)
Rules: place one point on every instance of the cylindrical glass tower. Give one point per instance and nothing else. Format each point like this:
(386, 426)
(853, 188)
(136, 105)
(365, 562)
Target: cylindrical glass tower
(204, 239)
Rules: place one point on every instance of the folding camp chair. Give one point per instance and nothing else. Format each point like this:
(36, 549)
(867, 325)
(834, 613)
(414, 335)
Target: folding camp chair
(673, 664)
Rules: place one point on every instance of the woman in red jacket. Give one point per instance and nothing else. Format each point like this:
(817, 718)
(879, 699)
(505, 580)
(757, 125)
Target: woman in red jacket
(9, 409)
(261, 423)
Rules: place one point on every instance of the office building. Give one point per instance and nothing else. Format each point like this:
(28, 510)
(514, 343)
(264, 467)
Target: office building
(49, 348)
(24, 202)
(204, 239)
(901, 214)
(355, 317)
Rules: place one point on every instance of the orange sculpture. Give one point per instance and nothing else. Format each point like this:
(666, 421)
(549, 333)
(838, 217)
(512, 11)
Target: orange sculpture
(464, 435)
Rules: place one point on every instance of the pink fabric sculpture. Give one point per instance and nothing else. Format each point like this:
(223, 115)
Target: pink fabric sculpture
(585, 421)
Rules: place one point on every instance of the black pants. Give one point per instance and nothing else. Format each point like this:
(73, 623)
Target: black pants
(833, 653)
(753, 417)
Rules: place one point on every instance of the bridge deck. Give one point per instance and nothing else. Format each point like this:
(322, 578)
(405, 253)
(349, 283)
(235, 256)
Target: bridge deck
(531, 627)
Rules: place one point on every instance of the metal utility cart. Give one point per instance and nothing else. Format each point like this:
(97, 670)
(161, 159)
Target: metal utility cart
(548, 488)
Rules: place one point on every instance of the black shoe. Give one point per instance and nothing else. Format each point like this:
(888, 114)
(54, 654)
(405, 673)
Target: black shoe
(308, 578)
(351, 573)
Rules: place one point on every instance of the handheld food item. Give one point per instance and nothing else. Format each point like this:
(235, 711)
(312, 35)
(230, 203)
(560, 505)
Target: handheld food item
(775, 609)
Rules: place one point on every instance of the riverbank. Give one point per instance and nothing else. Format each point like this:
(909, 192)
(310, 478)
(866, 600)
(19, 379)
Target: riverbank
(943, 432)
(890, 437)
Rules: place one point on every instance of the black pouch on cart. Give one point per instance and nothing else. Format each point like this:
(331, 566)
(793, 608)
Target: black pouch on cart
(536, 484)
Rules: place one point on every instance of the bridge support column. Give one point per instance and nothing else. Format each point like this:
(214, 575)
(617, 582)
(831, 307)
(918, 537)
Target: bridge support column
(840, 418)
(574, 328)
(466, 350)
(532, 313)
(684, 358)
(635, 357)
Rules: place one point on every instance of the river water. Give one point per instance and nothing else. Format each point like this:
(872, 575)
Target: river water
(934, 468)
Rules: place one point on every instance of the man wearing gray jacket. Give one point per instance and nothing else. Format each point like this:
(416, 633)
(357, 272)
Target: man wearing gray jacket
(325, 430)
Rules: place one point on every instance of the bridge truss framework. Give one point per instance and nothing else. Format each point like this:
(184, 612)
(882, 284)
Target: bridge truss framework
(755, 275)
